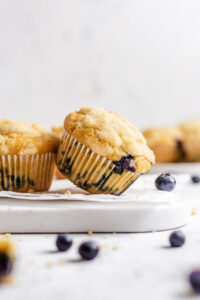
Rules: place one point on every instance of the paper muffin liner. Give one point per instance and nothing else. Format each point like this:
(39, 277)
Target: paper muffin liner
(165, 153)
(26, 173)
(90, 171)
(58, 174)
(192, 152)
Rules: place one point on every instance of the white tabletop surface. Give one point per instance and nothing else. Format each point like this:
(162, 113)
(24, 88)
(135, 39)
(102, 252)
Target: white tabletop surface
(130, 266)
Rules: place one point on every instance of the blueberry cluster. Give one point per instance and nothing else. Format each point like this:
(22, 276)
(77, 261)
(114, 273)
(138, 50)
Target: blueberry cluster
(12, 181)
(87, 250)
(125, 163)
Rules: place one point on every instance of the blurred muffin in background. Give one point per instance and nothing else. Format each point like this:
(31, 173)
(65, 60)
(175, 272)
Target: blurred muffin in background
(191, 140)
(58, 130)
(166, 143)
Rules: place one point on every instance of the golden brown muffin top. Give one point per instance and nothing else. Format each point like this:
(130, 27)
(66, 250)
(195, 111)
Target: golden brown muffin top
(191, 131)
(107, 134)
(25, 138)
(162, 136)
(58, 130)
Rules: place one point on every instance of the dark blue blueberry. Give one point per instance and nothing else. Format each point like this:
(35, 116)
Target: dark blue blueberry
(165, 182)
(177, 238)
(88, 250)
(5, 264)
(194, 280)
(195, 179)
(125, 163)
(63, 242)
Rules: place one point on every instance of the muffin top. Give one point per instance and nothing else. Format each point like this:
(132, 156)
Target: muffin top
(58, 130)
(107, 134)
(25, 138)
(191, 132)
(162, 136)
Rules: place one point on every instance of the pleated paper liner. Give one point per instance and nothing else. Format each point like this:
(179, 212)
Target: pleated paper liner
(24, 173)
(90, 171)
(166, 154)
(58, 174)
(192, 152)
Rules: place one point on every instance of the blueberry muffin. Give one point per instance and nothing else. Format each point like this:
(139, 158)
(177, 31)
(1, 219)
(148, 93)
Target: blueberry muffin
(27, 156)
(191, 140)
(166, 143)
(58, 130)
(102, 153)
(7, 256)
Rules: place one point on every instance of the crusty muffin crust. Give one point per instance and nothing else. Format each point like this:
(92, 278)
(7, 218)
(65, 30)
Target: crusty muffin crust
(107, 134)
(25, 138)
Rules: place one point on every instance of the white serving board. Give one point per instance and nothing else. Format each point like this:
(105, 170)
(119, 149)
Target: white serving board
(141, 208)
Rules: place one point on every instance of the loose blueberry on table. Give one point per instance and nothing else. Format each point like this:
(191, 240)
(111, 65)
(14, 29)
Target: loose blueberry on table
(165, 182)
(194, 280)
(5, 264)
(195, 179)
(63, 242)
(88, 250)
(177, 238)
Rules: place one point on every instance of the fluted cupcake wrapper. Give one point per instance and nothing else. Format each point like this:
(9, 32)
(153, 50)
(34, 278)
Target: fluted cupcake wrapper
(23, 173)
(192, 152)
(165, 153)
(90, 171)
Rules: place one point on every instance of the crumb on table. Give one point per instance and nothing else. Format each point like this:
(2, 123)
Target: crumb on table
(90, 232)
(193, 212)
(67, 192)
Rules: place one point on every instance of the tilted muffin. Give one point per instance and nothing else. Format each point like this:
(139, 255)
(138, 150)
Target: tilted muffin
(191, 140)
(27, 156)
(58, 130)
(101, 152)
(165, 142)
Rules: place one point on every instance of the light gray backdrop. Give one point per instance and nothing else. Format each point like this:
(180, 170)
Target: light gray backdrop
(140, 58)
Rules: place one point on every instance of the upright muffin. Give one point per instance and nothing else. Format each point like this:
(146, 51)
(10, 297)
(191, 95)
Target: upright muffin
(27, 156)
(58, 130)
(191, 140)
(101, 152)
(166, 143)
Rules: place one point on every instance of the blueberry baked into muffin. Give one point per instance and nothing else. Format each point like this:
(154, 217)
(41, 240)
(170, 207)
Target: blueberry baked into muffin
(27, 156)
(166, 143)
(102, 153)
(58, 130)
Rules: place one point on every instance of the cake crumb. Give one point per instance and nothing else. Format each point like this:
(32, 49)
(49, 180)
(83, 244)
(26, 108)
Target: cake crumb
(31, 191)
(137, 196)
(106, 236)
(67, 192)
(193, 213)
(62, 262)
(49, 265)
(103, 246)
(9, 208)
(116, 247)
(8, 235)
(90, 232)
